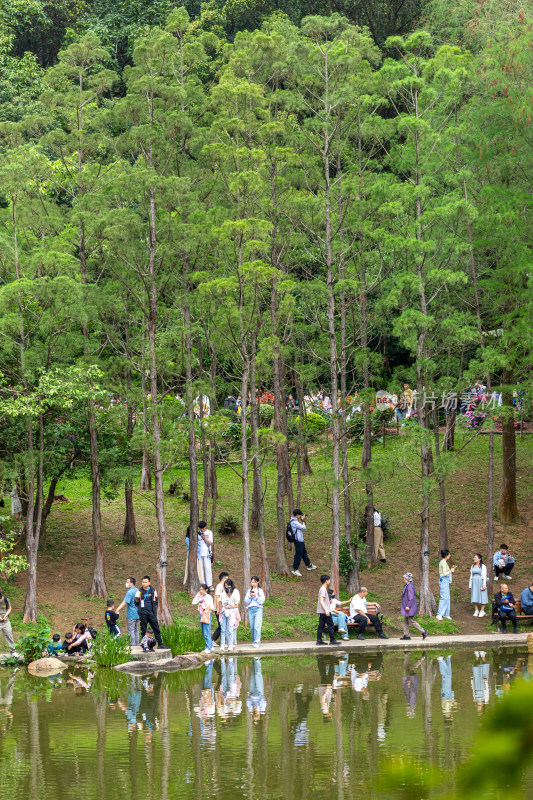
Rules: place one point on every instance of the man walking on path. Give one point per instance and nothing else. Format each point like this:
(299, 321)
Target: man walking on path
(297, 523)
(132, 615)
(205, 545)
(324, 612)
(5, 624)
(147, 601)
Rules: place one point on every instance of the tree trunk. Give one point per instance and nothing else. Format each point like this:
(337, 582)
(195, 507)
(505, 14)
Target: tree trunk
(193, 583)
(146, 473)
(490, 515)
(33, 529)
(302, 438)
(443, 530)
(266, 580)
(129, 535)
(245, 485)
(448, 443)
(257, 488)
(507, 508)
(98, 587)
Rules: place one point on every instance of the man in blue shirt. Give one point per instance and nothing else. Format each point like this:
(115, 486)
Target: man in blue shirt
(503, 563)
(526, 600)
(132, 615)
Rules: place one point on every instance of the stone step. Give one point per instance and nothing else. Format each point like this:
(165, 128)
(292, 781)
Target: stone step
(137, 654)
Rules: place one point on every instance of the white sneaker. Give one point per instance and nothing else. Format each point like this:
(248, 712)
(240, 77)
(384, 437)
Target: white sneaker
(496, 578)
(207, 650)
(439, 617)
(296, 572)
(216, 644)
(342, 630)
(476, 613)
(481, 613)
(445, 617)
(255, 645)
(509, 577)
(232, 647)
(310, 567)
(224, 647)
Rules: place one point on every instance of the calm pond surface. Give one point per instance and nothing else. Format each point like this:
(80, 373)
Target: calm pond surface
(304, 727)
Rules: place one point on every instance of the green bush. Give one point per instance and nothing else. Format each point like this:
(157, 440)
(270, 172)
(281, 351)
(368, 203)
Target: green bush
(266, 414)
(346, 562)
(108, 650)
(228, 525)
(182, 638)
(33, 645)
(313, 424)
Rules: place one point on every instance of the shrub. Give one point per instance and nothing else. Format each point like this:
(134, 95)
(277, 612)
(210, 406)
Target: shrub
(313, 424)
(108, 650)
(266, 414)
(346, 562)
(182, 638)
(33, 645)
(228, 525)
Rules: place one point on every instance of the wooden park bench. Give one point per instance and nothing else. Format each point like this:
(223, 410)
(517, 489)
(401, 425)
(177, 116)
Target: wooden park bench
(520, 617)
(371, 608)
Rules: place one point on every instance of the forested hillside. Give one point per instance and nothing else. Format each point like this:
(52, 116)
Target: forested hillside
(217, 200)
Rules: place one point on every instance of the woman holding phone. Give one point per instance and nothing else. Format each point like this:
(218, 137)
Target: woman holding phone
(445, 578)
(254, 600)
(229, 617)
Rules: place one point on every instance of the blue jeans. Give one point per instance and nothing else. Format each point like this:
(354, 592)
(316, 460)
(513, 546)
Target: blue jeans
(228, 634)
(339, 619)
(444, 602)
(206, 630)
(255, 616)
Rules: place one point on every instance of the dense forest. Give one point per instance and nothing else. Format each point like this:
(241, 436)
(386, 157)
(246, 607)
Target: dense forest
(258, 199)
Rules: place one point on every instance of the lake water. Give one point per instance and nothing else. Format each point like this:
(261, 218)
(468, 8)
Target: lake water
(306, 727)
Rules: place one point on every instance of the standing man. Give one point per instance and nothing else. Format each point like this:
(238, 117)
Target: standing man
(132, 615)
(379, 550)
(297, 523)
(324, 612)
(5, 624)
(359, 614)
(205, 551)
(147, 601)
(503, 563)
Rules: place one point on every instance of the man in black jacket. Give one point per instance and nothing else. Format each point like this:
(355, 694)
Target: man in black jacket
(147, 601)
(505, 606)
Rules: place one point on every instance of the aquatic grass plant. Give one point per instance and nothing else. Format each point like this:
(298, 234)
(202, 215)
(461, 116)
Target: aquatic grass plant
(108, 650)
(182, 638)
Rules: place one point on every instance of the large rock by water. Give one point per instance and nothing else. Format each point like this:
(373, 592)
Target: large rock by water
(46, 666)
(188, 661)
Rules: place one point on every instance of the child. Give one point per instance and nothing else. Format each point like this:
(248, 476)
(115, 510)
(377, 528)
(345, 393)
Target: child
(69, 638)
(148, 642)
(55, 646)
(111, 617)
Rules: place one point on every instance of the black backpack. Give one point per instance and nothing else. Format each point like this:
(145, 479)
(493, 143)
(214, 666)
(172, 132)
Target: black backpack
(92, 631)
(289, 533)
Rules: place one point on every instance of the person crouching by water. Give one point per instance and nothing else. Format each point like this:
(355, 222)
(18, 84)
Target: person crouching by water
(204, 601)
(230, 616)
(254, 600)
(409, 607)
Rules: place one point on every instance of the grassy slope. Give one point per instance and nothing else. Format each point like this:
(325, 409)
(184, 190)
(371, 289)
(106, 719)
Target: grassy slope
(66, 559)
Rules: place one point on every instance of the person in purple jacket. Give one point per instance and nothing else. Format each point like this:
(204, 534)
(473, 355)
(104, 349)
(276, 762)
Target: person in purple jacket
(409, 607)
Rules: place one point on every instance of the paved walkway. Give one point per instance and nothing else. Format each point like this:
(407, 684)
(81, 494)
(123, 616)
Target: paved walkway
(374, 644)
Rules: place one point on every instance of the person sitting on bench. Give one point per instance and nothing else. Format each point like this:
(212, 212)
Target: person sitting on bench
(360, 615)
(526, 599)
(505, 606)
(503, 562)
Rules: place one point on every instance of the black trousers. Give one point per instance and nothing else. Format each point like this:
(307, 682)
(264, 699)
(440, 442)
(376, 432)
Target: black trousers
(325, 621)
(504, 570)
(300, 553)
(363, 622)
(150, 619)
(215, 636)
(504, 616)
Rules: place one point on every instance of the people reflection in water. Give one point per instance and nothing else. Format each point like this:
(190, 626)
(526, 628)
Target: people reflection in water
(206, 709)
(256, 701)
(447, 694)
(410, 686)
(229, 703)
(132, 707)
(6, 701)
(364, 671)
(80, 684)
(340, 673)
(480, 680)
(299, 728)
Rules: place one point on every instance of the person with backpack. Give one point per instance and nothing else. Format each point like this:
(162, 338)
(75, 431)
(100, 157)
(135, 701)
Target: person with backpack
(295, 528)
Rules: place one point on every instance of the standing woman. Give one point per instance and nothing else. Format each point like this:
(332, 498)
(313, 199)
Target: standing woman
(478, 585)
(254, 600)
(204, 601)
(230, 617)
(409, 607)
(445, 578)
